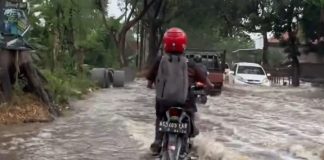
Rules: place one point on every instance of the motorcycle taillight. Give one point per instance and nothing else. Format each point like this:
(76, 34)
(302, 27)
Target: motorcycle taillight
(199, 84)
(175, 112)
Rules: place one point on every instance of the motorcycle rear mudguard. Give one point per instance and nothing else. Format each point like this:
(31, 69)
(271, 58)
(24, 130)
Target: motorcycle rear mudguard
(172, 149)
(173, 143)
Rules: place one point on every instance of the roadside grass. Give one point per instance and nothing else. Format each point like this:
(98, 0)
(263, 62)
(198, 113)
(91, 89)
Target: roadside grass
(62, 86)
(23, 108)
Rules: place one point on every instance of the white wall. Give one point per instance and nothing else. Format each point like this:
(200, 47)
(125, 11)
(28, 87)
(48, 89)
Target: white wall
(258, 42)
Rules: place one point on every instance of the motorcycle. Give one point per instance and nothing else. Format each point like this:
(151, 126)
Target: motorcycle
(199, 91)
(176, 127)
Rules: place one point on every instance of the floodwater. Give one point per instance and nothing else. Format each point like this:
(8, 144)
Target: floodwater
(117, 124)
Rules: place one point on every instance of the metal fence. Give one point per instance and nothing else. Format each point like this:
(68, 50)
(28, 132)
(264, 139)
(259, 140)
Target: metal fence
(280, 76)
(309, 72)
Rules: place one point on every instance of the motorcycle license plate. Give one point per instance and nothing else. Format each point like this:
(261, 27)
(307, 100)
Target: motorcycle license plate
(170, 127)
(199, 92)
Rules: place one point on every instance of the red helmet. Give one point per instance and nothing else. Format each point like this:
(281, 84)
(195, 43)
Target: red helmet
(174, 40)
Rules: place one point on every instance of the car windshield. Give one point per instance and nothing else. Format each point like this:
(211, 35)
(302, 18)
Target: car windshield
(250, 70)
(210, 63)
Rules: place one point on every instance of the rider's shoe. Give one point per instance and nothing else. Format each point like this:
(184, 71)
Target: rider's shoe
(156, 147)
(184, 155)
(190, 145)
(195, 131)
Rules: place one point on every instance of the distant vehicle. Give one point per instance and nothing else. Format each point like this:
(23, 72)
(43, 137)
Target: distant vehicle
(249, 74)
(214, 62)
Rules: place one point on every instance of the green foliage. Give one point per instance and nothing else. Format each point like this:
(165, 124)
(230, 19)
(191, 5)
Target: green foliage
(258, 16)
(61, 28)
(62, 31)
(232, 44)
(312, 19)
(64, 85)
(276, 58)
(318, 3)
(286, 14)
(214, 24)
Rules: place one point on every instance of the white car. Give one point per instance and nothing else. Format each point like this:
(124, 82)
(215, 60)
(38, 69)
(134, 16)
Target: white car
(249, 74)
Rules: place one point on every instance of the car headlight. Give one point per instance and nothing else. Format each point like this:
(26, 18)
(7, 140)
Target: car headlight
(266, 80)
(240, 78)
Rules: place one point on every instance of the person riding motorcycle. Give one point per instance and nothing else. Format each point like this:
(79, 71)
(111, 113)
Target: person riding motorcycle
(176, 43)
(198, 60)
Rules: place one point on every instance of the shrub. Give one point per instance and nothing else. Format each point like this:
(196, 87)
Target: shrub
(63, 85)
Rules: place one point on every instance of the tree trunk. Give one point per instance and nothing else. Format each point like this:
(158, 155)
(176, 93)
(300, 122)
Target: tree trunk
(121, 49)
(5, 88)
(26, 69)
(137, 44)
(293, 46)
(265, 49)
(56, 49)
(57, 37)
(35, 82)
(295, 71)
(80, 59)
(5, 82)
(156, 17)
(128, 24)
(153, 44)
(142, 41)
(69, 29)
(294, 52)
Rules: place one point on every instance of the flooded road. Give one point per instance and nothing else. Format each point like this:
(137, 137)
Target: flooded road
(117, 124)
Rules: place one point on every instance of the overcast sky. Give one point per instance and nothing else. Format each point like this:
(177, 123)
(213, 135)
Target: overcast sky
(113, 9)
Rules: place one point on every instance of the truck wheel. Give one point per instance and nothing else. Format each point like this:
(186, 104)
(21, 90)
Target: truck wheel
(99, 76)
(119, 79)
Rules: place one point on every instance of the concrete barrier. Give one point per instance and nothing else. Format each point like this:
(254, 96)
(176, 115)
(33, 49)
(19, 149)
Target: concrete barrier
(130, 74)
(104, 77)
(99, 76)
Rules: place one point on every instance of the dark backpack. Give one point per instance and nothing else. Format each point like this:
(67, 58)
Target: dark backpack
(172, 80)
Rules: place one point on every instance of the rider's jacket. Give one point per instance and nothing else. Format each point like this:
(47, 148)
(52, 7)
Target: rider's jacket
(195, 73)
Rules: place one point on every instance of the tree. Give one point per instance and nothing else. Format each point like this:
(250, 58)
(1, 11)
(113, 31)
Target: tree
(259, 18)
(67, 33)
(209, 22)
(156, 20)
(287, 17)
(132, 17)
(202, 23)
(313, 25)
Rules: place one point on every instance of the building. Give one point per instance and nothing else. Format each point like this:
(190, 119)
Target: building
(311, 64)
